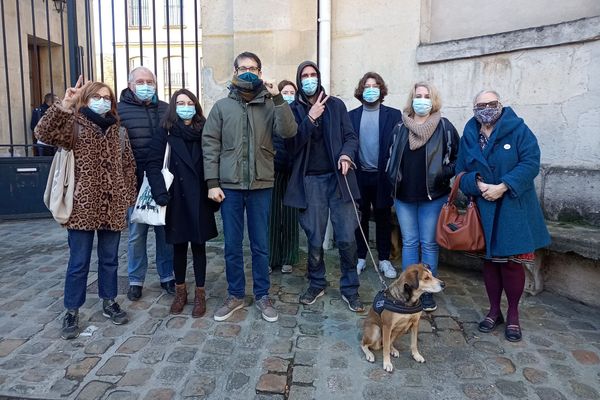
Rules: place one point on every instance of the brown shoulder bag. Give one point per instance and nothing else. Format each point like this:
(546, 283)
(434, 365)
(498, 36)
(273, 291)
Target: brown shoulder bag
(456, 230)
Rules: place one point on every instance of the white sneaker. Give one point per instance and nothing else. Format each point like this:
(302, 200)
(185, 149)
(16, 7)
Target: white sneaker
(361, 265)
(388, 269)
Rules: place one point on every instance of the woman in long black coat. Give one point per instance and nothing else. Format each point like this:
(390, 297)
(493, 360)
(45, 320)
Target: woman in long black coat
(190, 213)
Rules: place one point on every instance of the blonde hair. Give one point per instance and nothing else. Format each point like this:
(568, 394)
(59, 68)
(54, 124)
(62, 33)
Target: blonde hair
(434, 95)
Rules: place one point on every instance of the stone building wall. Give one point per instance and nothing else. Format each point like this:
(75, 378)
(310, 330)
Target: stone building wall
(543, 64)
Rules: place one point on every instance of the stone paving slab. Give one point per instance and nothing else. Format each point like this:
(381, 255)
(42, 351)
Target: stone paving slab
(312, 352)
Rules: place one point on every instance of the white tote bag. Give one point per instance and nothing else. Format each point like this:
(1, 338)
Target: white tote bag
(58, 196)
(146, 211)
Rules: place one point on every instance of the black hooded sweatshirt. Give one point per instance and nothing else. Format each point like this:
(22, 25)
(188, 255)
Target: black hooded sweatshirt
(319, 161)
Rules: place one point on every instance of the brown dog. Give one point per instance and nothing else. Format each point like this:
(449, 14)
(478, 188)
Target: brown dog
(383, 329)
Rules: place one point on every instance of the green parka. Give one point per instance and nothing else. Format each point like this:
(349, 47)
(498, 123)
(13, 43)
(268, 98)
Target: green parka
(237, 140)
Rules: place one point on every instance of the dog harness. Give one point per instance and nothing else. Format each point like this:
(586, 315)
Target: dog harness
(382, 302)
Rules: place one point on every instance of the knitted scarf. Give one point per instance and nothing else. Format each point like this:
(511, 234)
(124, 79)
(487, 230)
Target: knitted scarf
(419, 134)
(246, 90)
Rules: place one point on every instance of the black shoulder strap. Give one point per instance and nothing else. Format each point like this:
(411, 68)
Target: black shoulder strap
(448, 143)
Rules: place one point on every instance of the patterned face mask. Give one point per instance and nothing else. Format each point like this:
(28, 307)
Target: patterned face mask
(487, 116)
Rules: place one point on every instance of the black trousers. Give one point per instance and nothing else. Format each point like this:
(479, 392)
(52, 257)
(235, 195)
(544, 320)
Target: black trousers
(198, 259)
(367, 183)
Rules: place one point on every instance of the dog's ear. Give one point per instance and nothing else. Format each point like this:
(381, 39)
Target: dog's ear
(412, 278)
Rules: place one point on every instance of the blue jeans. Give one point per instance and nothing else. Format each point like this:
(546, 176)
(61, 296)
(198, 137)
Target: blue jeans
(80, 247)
(257, 205)
(417, 222)
(325, 201)
(137, 257)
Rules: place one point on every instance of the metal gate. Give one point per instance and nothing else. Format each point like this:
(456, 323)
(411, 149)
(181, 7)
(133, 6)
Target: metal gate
(47, 44)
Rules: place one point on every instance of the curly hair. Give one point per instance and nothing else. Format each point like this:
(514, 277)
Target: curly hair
(383, 90)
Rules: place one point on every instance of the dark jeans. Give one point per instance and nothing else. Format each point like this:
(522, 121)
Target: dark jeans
(367, 183)
(324, 200)
(198, 260)
(80, 246)
(257, 204)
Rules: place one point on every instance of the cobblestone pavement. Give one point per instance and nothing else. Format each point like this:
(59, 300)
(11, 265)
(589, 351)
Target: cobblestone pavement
(311, 352)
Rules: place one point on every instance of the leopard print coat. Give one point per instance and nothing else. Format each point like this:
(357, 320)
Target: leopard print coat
(105, 182)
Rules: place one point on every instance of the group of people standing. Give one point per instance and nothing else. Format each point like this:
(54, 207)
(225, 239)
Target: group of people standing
(282, 155)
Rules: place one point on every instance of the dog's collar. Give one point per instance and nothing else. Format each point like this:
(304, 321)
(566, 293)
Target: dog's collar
(382, 302)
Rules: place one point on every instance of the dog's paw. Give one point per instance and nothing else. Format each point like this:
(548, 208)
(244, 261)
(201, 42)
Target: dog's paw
(418, 358)
(388, 366)
(395, 353)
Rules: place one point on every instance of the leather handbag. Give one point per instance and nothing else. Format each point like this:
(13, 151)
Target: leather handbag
(60, 187)
(458, 230)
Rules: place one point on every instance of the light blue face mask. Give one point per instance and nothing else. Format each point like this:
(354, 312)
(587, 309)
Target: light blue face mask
(421, 106)
(185, 112)
(145, 92)
(100, 106)
(371, 94)
(289, 98)
(309, 85)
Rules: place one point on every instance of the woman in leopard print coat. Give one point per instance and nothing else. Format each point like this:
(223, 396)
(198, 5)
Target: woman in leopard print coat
(86, 121)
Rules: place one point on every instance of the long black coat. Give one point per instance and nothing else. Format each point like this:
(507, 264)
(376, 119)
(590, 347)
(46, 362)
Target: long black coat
(388, 119)
(190, 213)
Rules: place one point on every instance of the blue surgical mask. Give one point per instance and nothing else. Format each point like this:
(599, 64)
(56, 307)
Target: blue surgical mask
(289, 98)
(422, 106)
(371, 94)
(248, 77)
(309, 85)
(145, 92)
(100, 106)
(185, 112)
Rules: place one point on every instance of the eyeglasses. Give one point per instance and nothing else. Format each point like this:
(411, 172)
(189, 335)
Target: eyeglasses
(97, 97)
(491, 104)
(375, 85)
(247, 69)
(149, 82)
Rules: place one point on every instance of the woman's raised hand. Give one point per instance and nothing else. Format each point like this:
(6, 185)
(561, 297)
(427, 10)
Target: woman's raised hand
(74, 93)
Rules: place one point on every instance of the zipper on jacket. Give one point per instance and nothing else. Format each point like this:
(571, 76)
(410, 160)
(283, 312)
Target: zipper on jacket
(426, 173)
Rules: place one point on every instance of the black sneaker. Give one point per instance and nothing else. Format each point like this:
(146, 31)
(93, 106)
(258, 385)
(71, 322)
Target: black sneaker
(134, 293)
(354, 303)
(70, 326)
(311, 295)
(169, 286)
(112, 310)
(428, 302)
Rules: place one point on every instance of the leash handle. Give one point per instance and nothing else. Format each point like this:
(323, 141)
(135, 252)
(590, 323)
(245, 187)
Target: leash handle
(385, 287)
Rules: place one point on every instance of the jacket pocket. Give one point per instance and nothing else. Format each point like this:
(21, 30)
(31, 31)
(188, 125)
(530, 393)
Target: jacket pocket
(229, 166)
(264, 164)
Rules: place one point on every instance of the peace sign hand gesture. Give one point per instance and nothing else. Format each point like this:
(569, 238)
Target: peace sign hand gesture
(319, 107)
(73, 94)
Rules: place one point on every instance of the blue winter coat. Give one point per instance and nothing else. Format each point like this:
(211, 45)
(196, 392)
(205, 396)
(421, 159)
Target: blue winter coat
(513, 224)
(339, 138)
(388, 118)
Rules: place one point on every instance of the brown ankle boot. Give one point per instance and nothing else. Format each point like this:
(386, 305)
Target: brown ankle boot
(199, 303)
(180, 299)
